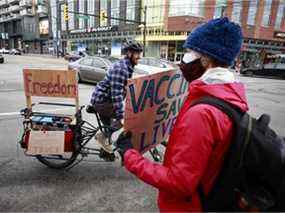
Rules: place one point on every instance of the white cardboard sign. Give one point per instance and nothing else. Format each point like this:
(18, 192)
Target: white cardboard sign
(46, 142)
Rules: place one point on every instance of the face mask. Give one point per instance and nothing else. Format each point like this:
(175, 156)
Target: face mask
(191, 66)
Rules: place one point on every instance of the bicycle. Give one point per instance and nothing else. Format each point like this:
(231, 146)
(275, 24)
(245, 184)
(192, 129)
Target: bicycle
(80, 133)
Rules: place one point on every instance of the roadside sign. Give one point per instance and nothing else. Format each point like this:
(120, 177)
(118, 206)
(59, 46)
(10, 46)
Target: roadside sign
(152, 104)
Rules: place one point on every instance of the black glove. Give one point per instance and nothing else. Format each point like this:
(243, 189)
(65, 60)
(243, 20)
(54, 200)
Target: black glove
(124, 143)
(116, 124)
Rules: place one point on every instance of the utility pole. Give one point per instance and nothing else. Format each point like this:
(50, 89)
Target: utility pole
(144, 31)
(57, 27)
(66, 24)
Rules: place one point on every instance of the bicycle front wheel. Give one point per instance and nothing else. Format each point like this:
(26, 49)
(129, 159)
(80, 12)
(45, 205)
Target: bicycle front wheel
(58, 161)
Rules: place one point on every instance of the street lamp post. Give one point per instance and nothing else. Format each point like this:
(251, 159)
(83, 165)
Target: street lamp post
(144, 31)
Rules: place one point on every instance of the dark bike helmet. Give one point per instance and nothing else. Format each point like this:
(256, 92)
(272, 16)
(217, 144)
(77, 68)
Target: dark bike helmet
(133, 46)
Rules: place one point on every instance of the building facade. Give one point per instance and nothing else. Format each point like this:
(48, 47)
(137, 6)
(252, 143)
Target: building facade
(24, 24)
(168, 23)
(85, 30)
(262, 22)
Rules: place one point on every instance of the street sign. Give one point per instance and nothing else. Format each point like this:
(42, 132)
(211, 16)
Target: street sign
(82, 17)
(152, 104)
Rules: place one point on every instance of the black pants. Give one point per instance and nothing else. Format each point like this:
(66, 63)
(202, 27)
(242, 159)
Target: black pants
(106, 114)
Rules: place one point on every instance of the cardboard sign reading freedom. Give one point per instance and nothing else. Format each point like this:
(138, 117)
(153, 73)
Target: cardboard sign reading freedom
(50, 83)
(152, 104)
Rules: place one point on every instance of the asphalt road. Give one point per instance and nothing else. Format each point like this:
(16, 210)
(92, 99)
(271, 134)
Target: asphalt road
(27, 185)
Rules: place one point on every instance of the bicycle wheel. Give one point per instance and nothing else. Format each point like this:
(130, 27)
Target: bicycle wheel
(58, 161)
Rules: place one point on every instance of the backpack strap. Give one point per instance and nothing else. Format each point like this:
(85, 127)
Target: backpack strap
(234, 113)
(230, 110)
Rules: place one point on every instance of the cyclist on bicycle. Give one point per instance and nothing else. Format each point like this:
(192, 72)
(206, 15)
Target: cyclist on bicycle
(109, 94)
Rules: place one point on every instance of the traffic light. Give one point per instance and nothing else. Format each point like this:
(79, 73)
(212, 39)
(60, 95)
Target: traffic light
(65, 12)
(103, 18)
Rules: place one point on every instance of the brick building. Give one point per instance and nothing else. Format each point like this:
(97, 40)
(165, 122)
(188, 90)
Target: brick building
(169, 22)
(262, 21)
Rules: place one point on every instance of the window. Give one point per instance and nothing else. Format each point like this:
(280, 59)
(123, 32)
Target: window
(220, 5)
(237, 6)
(86, 62)
(155, 12)
(81, 10)
(189, 7)
(131, 8)
(71, 15)
(63, 23)
(266, 13)
(98, 63)
(91, 10)
(252, 12)
(115, 11)
(280, 14)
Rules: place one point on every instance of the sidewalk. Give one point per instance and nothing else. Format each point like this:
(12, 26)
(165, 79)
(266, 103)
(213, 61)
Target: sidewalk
(41, 55)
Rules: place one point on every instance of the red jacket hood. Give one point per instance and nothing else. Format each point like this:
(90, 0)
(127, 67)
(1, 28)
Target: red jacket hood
(233, 92)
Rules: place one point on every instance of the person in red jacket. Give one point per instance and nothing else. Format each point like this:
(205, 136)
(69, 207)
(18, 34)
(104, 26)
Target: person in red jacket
(201, 134)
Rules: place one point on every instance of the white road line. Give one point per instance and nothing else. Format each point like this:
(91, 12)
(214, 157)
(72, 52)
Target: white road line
(47, 110)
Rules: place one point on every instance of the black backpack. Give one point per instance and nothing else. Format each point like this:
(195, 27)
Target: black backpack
(252, 177)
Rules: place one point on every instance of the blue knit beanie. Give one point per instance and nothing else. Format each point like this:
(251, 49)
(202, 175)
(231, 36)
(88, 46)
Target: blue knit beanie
(219, 38)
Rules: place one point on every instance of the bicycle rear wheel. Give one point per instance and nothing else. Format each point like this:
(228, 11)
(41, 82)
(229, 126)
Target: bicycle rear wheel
(58, 161)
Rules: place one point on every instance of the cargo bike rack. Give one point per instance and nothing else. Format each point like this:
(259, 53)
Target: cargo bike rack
(77, 131)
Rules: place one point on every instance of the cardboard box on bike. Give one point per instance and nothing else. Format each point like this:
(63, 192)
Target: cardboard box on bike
(49, 133)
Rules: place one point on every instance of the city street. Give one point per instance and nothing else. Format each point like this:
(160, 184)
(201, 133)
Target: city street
(27, 185)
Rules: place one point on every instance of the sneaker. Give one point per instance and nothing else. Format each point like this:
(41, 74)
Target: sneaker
(103, 142)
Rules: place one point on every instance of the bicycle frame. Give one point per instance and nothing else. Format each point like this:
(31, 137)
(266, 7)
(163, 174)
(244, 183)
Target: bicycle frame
(83, 131)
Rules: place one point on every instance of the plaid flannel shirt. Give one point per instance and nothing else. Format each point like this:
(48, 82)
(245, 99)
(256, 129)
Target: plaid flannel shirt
(112, 88)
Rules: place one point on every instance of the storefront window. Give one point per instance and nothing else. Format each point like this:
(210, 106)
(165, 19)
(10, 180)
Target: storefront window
(171, 50)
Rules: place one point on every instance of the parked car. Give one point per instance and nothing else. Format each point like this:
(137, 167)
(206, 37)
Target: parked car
(15, 52)
(1, 59)
(4, 51)
(274, 68)
(154, 65)
(74, 56)
(94, 68)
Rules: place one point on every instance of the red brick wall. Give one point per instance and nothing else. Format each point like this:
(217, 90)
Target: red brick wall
(183, 23)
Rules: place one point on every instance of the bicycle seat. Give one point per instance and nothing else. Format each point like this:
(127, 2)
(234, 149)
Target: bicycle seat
(90, 109)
